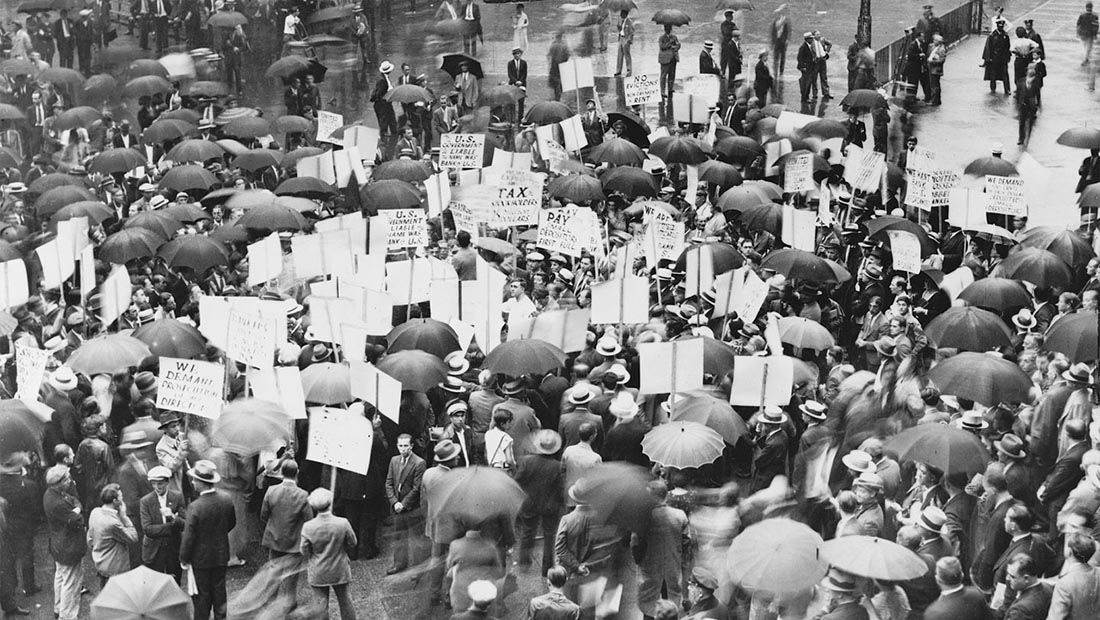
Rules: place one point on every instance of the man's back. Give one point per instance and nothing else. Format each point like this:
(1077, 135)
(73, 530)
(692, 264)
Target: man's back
(205, 542)
(552, 606)
(965, 604)
(285, 509)
(1077, 595)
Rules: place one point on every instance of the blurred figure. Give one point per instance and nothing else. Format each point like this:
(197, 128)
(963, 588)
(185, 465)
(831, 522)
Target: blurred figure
(64, 516)
(660, 553)
(204, 548)
(327, 542)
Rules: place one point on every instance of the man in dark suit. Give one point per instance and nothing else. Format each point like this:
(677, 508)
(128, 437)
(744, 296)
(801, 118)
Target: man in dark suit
(161, 516)
(1067, 470)
(63, 36)
(1089, 170)
(956, 600)
(1018, 523)
(932, 543)
(36, 115)
(807, 65)
(284, 511)
(403, 480)
(517, 76)
(1033, 597)
(471, 14)
(773, 442)
(383, 109)
(707, 63)
(540, 476)
(205, 544)
(133, 480)
(959, 509)
(987, 535)
(68, 542)
(83, 38)
(481, 593)
(19, 494)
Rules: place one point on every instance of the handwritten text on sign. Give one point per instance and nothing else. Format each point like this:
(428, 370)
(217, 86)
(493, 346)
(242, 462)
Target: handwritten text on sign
(251, 339)
(408, 228)
(193, 387)
(566, 230)
(516, 205)
(1005, 195)
(462, 150)
(340, 438)
(642, 89)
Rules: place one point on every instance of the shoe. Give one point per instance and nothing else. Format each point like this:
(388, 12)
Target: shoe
(17, 611)
(618, 75)
(393, 570)
(234, 563)
(32, 590)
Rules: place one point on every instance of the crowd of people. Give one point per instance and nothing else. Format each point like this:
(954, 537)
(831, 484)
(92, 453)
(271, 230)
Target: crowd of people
(1000, 517)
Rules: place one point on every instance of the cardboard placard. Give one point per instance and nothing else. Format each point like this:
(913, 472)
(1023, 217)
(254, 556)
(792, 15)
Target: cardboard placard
(567, 230)
(464, 218)
(58, 262)
(565, 329)
(510, 160)
(354, 223)
(13, 283)
(905, 249)
(968, 207)
(340, 438)
(189, 386)
(265, 260)
(1005, 195)
(670, 367)
(30, 369)
(705, 86)
(572, 132)
(690, 109)
(322, 254)
(798, 174)
(283, 384)
(363, 140)
(251, 338)
(699, 269)
(577, 73)
(788, 123)
(87, 272)
(408, 228)
(327, 314)
(375, 387)
(462, 150)
(642, 88)
(515, 205)
(664, 237)
(740, 291)
(762, 381)
(116, 291)
(921, 159)
(863, 169)
(438, 188)
(624, 300)
(799, 228)
(328, 122)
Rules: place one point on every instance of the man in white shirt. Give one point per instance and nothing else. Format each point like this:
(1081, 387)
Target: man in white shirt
(519, 305)
(290, 28)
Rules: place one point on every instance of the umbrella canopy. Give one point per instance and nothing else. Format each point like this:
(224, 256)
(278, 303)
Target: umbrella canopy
(167, 129)
(1081, 138)
(802, 333)
(630, 126)
(713, 413)
(159, 222)
(864, 98)
(1039, 267)
(983, 378)
(258, 159)
(879, 227)
(247, 127)
(227, 19)
(947, 448)
(147, 66)
(430, 335)
(678, 150)
(617, 152)
(306, 187)
(327, 383)
(765, 216)
(146, 86)
(227, 233)
(969, 329)
(577, 188)
(991, 232)
(873, 557)
(418, 371)
(547, 113)
(629, 181)
(408, 170)
(142, 594)
(17, 66)
(1074, 335)
(50, 202)
(471, 495)
(724, 257)
(719, 173)
(330, 14)
(824, 128)
(290, 161)
(286, 67)
(501, 94)
(683, 445)
(46, 182)
(187, 178)
(195, 150)
(80, 116)
(186, 115)
(388, 194)
(408, 93)
(108, 354)
(521, 357)
(616, 493)
(453, 27)
(776, 555)
(1067, 245)
(495, 245)
(996, 294)
(195, 252)
(675, 17)
(452, 64)
(95, 211)
(802, 265)
(1090, 196)
(738, 149)
(8, 112)
(186, 212)
(116, 161)
(993, 165)
(101, 87)
(61, 75)
(20, 430)
(130, 244)
(291, 123)
(250, 425)
(742, 197)
(171, 338)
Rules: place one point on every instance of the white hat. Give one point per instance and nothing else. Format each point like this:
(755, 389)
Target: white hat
(63, 379)
(623, 406)
(385, 67)
(608, 347)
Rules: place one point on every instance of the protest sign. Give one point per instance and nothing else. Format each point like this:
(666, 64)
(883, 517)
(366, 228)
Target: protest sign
(408, 281)
(566, 230)
(1005, 195)
(577, 73)
(282, 385)
(328, 122)
(462, 150)
(87, 273)
(624, 300)
(58, 262)
(515, 205)
(340, 438)
(798, 174)
(327, 314)
(690, 109)
(323, 167)
(863, 168)
(921, 159)
(190, 386)
(905, 248)
(740, 291)
(968, 207)
(788, 123)
(799, 228)
(376, 388)
(509, 160)
(116, 291)
(322, 254)
(464, 218)
(30, 368)
(670, 367)
(408, 228)
(265, 260)
(13, 283)
(762, 381)
(642, 88)
(251, 338)
(824, 204)
(363, 141)
(572, 132)
(705, 87)
(354, 223)
(664, 237)
(699, 269)
(565, 329)
(438, 189)
(772, 152)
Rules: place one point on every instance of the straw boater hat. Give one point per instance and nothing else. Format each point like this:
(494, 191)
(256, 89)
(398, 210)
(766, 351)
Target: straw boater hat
(512, 388)
(773, 415)
(608, 347)
(63, 379)
(457, 364)
(932, 518)
(837, 583)
(580, 395)
(814, 410)
(858, 460)
(972, 421)
(1024, 320)
(135, 440)
(623, 406)
(546, 441)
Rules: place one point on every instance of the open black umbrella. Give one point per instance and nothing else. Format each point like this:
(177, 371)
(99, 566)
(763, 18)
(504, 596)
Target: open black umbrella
(996, 294)
(675, 17)
(408, 170)
(981, 377)
(991, 165)
(187, 178)
(864, 98)
(388, 194)
(969, 329)
(617, 152)
(171, 338)
(195, 252)
(724, 257)
(547, 113)
(629, 126)
(719, 173)
(46, 182)
(418, 371)
(521, 357)
(195, 150)
(1081, 138)
(1039, 267)
(949, 449)
(1075, 336)
(629, 181)
(430, 335)
(678, 150)
(452, 64)
(168, 129)
(738, 149)
(129, 244)
(577, 188)
(802, 265)
(116, 160)
(1067, 245)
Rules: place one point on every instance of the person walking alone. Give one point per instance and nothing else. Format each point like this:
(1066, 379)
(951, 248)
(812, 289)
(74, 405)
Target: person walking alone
(1087, 26)
(668, 56)
(626, 39)
(327, 543)
(204, 549)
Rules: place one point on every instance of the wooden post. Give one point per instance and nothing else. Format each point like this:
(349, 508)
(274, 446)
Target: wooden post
(412, 278)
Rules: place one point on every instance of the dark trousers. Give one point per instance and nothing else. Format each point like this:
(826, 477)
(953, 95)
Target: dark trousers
(211, 596)
(934, 84)
(16, 564)
(547, 523)
(65, 55)
(408, 538)
(144, 24)
(807, 82)
(779, 61)
(162, 33)
(167, 561)
(668, 79)
(347, 610)
(823, 75)
(84, 50)
(233, 74)
(364, 519)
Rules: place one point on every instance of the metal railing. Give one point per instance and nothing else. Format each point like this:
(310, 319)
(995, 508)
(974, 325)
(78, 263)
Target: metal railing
(956, 25)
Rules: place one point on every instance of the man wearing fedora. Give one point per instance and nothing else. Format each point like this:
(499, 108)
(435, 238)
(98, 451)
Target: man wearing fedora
(540, 476)
(111, 533)
(172, 449)
(1010, 452)
(524, 420)
(1043, 434)
(204, 547)
(843, 600)
(701, 586)
(133, 478)
(161, 515)
(57, 390)
(19, 495)
(441, 529)
(772, 443)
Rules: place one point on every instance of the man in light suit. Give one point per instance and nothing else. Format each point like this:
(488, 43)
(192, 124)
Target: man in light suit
(467, 87)
(161, 515)
(284, 511)
(205, 544)
(327, 543)
(403, 480)
(626, 39)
